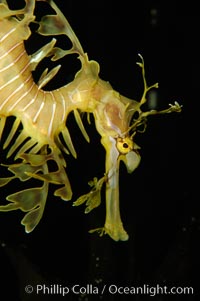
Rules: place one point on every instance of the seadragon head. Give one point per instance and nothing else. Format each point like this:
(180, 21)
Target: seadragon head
(113, 118)
(117, 119)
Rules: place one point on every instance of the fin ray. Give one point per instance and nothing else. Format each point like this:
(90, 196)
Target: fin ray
(20, 139)
(12, 132)
(81, 126)
(68, 141)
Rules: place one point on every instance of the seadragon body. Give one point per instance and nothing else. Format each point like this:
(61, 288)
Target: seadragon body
(39, 134)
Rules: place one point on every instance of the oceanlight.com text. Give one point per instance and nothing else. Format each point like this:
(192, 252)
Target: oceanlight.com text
(112, 289)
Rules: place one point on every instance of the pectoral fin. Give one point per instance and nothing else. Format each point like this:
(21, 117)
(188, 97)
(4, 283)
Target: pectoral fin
(131, 160)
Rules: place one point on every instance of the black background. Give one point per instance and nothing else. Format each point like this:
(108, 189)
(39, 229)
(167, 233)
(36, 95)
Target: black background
(159, 201)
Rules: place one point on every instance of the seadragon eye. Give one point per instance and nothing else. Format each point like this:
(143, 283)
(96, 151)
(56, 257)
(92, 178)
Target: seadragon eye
(124, 145)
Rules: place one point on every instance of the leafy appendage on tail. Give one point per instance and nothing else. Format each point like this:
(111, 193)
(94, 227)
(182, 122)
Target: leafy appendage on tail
(33, 200)
(30, 200)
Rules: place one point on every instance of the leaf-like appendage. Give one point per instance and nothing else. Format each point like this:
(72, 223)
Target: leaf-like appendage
(5, 181)
(36, 159)
(27, 199)
(57, 25)
(92, 198)
(51, 25)
(30, 200)
(58, 177)
(64, 192)
(22, 170)
(31, 219)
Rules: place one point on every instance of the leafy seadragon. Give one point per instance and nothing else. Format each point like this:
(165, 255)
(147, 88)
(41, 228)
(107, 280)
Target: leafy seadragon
(39, 134)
